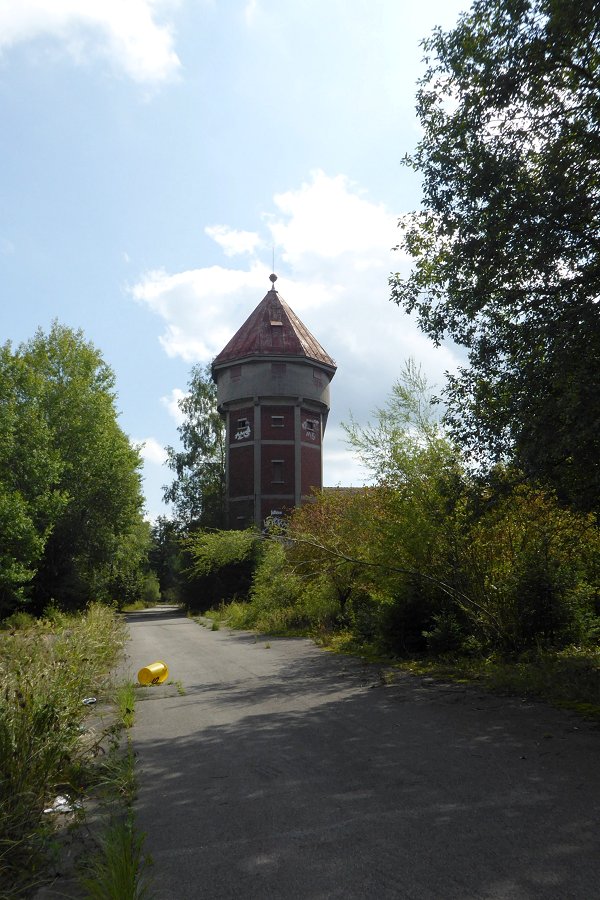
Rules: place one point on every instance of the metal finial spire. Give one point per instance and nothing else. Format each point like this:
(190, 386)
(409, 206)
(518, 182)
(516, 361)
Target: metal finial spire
(273, 279)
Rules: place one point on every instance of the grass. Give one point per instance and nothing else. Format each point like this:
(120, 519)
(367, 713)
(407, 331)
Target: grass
(125, 699)
(568, 678)
(117, 869)
(138, 605)
(47, 668)
(114, 873)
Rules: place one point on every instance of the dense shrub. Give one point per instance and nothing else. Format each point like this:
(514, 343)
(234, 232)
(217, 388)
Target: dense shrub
(534, 568)
(220, 567)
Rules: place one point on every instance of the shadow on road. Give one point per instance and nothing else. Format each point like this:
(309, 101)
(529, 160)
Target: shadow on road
(325, 783)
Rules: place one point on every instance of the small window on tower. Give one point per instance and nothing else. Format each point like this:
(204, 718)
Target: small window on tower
(310, 424)
(277, 369)
(243, 430)
(277, 471)
(235, 373)
(277, 421)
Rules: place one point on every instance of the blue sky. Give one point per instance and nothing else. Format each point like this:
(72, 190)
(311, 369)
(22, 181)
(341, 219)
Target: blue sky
(153, 154)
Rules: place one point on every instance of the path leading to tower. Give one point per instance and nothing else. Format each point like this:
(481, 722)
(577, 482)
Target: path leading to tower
(287, 772)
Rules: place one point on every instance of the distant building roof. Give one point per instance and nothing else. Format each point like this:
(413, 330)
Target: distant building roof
(273, 329)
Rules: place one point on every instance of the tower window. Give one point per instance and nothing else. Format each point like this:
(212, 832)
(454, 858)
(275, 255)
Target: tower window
(277, 471)
(277, 421)
(277, 369)
(235, 373)
(243, 430)
(310, 426)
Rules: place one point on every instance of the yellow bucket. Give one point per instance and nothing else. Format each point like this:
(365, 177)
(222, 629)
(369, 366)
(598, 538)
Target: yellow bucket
(155, 673)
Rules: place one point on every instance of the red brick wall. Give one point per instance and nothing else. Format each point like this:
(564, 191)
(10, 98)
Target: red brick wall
(277, 433)
(311, 468)
(241, 513)
(270, 452)
(241, 470)
(271, 507)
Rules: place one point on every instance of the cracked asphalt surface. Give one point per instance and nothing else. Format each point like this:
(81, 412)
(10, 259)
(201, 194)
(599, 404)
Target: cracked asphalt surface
(286, 772)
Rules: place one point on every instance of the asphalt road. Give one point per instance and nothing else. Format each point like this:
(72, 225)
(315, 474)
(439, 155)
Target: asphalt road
(288, 772)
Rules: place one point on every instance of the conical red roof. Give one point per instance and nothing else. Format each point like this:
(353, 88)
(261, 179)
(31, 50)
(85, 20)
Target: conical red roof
(273, 329)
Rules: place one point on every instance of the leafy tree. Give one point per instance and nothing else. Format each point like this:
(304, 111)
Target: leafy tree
(507, 246)
(198, 492)
(98, 475)
(421, 481)
(221, 565)
(128, 574)
(166, 556)
(30, 467)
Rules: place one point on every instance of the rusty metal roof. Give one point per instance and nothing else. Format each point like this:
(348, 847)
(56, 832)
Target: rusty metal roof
(273, 329)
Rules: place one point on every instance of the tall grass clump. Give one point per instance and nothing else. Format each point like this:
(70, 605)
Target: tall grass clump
(46, 671)
(117, 869)
(115, 873)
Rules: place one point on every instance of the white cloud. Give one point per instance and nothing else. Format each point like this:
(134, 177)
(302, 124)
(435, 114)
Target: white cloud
(171, 402)
(327, 218)
(124, 31)
(151, 451)
(200, 306)
(233, 242)
(335, 247)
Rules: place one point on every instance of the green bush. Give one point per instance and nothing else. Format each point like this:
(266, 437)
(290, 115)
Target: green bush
(405, 617)
(220, 567)
(446, 634)
(534, 569)
(276, 591)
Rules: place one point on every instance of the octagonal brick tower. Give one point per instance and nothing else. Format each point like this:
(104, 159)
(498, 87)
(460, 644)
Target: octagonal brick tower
(273, 391)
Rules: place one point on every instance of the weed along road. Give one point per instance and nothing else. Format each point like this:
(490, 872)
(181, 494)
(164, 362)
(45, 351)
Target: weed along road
(272, 769)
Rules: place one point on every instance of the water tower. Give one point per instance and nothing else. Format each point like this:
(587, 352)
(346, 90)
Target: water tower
(273, 391)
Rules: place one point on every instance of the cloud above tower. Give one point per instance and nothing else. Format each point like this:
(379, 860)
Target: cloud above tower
(127, 34)
(333, 250)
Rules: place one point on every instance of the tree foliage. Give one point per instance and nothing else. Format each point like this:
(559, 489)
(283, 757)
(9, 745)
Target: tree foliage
(198, 491)
(166, 557)
(220, 565)
(430, 558)
(506, 247)
(30, 467)
(70, 496)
